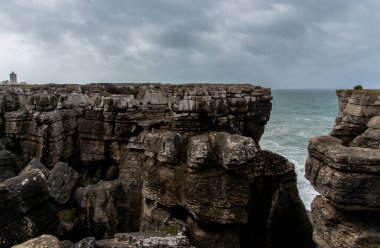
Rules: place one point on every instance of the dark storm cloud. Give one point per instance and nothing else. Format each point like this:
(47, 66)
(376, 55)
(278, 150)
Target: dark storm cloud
(283, 44)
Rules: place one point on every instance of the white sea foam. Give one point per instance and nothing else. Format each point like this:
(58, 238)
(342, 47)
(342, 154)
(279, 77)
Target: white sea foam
(296, 117)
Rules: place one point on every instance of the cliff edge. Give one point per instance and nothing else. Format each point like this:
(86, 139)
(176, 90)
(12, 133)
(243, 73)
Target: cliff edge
(344, 168)
(104, 160)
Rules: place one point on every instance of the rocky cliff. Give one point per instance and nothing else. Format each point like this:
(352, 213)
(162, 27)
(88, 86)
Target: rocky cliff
(344, 168)
(101, 159)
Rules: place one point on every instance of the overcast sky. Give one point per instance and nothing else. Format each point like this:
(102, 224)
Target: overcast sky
(278, 44)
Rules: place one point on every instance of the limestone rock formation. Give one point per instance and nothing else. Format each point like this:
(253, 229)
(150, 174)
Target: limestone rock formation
(339, 228)
(356, 108)
(61, 182)
(344, 169)
(99, 204)
(347, 176)
(145, 239)
(44, 241)
(30, 188)
(371, 136)
(24, 210)
(148, 157)
(224, 194)
(36, 164)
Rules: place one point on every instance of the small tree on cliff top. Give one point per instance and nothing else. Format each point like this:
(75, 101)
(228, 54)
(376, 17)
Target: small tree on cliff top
(358, 87)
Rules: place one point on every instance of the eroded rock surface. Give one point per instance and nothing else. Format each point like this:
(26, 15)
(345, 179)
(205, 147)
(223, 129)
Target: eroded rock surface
(221, 202)
(150, 157)
(61, 182)
(345, 169)
(339, 228)
(44, 241)
(24, 208)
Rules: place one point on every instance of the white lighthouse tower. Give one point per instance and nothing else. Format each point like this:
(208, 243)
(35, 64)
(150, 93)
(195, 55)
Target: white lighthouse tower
(13, 78)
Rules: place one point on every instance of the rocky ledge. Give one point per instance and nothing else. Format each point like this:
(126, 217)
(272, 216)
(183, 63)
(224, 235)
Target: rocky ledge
(345, 169)
(184, 160)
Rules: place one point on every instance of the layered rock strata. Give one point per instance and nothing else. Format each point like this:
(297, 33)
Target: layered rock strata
(345, 169)
(54, 124)
(127, 157)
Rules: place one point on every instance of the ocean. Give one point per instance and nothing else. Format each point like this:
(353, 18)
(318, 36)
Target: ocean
(297, 116)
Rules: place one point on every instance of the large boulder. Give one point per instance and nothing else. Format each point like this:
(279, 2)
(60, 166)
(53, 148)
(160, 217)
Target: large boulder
(43, 241)
(61, 182)
(99, 205)
(29, 187)
(24, 210)
(36, 164)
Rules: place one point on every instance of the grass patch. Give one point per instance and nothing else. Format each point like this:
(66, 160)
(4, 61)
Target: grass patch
(170, 230)
(67, 215)
(105, 94)
(20, 163)
(85, 183)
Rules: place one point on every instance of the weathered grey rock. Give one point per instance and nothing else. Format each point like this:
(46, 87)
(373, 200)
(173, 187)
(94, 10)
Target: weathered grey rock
(99, 206)
(48, 136)
(8, 167)
(335, 228)
(348, 176)
(216, 196)
(30, 187)
(355, 110)
(222, 148)
(345, 171)
(44, 241)
(187, 152)
(24, 210)
(47, 121)
(371, 137)
(85, 243)
(162, 146)
(145, 239)
(61, 182)
(36, 164)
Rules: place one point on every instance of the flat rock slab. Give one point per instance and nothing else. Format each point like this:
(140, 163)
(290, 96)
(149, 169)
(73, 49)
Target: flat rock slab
(44, 241)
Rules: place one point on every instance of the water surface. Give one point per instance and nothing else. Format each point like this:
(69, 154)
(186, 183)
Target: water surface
(298, 115)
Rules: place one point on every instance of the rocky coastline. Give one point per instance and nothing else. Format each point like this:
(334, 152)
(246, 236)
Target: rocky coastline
(154, 165)
(344, 168)
(144, 165)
